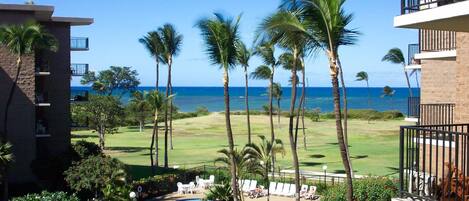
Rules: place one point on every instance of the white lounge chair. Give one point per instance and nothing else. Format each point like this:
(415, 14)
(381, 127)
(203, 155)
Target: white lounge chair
(272, 186)
(292, 191)
(246, 184)
(286, 190)
(211, 180)
(303, 190)
(311, 194)
(252, 186)
(278, 189)
(180, 189)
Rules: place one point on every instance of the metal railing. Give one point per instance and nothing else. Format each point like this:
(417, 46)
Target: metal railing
(413, 107)
(79, 95)
(435, 40)
(79, 43)
(411, 6)
(433, 162)
(436, 114)
(79, 69)
(412, 50)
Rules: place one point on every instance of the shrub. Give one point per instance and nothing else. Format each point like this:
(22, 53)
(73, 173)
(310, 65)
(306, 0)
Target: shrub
(92, 175)
(47, 196)
(202, 111)
(85, 149)
(220, 192)
(367, 189)
(367, 115)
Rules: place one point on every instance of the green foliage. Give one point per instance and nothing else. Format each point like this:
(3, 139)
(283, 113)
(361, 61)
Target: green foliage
(108, 81)
(367, 189)
(79, 115)
(221, 192)
(202, 111)
(314, 114)
(85, 149)
(95, 173)
(388, 91)
(47, 196)
(138, 109)
(367, 115)
(6, 156)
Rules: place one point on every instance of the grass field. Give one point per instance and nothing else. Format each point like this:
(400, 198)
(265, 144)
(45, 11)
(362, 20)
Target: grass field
(374, 146)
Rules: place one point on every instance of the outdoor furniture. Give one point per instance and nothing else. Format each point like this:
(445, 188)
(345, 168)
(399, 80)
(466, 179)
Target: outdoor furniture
(272, 187)
(292, 191)
(246, 184)
(311, 194)
(303, 190)
(278, 190)
(286, 190)
(185, 188)
(180, 188)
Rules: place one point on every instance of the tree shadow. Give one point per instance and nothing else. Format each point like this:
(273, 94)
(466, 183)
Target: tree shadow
(311, 164)
(317, 156)
(78, 136)
(340, 171)
(127, 149)
(359, 156)
(335, 144)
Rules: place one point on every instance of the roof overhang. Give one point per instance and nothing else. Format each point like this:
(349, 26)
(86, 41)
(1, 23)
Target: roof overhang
(452, 17)
(74, 21)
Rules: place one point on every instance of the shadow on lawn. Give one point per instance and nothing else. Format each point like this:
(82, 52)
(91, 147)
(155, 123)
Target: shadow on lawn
(144, 171)
(311, 164)
(77, 136)
(317, 156)
(127, 149)
(336, 144)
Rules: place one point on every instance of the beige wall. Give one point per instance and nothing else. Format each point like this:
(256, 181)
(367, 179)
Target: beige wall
(438, 81)
(462, 87)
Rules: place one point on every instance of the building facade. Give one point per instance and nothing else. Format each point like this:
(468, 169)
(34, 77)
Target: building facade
(39, 116)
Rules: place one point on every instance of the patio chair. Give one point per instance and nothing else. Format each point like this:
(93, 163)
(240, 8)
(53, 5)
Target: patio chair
(191, 187)
(252, 186)
(272, 186)
(292, 191)
(278, 189)
(211, 180)
(180, 189)
(246, 184)
(303, 190)
(311, 194)
(286, 190)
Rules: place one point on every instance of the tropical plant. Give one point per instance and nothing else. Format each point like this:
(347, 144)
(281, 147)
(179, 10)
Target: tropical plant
(328, 27)
(109, 81)
(104, 114)
(221, 192)
(243, 57)
(47, 196)
(156, 100)
(94, 174)
(154, 45)
(85, 149)
(363, 76)
(395, 56)
(264, 153)
(6, 157)
(172, 42)
(22, 40)
(277, 93)
(220, 35)
(139, 108)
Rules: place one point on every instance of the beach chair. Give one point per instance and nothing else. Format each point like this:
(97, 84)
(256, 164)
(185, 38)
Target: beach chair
(286, 190)
(292, 191)
(303, 190)
(180, 189)
(272, 186)
(191, 188)
(246, 184)
(278, 189)
(252, 186)
(211, 180)
(311, 194)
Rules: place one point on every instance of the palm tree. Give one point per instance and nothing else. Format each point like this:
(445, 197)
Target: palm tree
(220, 35)
(396, 56)
(154, 45)
(264, 153)
(329, 22)
(22, 40)
(388, 92)
(156, 100)
(277, 93)
(267, 52)
(171, 42)
(139, 107)
(363, 76)
(243, 56)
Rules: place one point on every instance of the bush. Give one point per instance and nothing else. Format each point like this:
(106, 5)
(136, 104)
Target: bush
(367, 189)
(85, 149)
(92, 175)
(220, 192)
(47, 196)
(202, 111)
(367, 115)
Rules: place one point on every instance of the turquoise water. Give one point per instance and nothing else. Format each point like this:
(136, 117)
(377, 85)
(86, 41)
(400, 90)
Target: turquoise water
(189, 98)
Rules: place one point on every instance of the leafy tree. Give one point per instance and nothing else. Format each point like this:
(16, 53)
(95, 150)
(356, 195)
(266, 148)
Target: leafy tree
(94, 174)
(243, 57)
(85, 149)
(139, 108)
(396, 56)
(220, 192)
(109, 81)
(104, 114)
(47, 196)
(172, 42)
(6, 157)
(21, 40)
(363, 76)
(154, 45)
(220, 35)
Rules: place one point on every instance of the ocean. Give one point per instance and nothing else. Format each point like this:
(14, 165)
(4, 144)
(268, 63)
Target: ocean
(187, 99)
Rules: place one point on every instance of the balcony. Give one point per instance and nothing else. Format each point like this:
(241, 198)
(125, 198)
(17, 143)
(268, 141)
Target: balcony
(79, 44)
(449, 15)
(79, 96)
(42, 100)
(412, 62)
(436, 44)
(436, 114)
(79, 69)
(42, 69)
(413, 107)
(433, 162)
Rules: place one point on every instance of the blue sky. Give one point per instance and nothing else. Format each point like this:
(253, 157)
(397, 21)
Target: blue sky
(119, 24)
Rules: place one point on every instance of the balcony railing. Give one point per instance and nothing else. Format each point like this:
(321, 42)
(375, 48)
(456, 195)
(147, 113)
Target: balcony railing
(436, 114)
(79, 43)
(410, 6)
(413, 49)
(433, 162)
(79, 96)
(79, 69)
(413, 107)
(435, 40)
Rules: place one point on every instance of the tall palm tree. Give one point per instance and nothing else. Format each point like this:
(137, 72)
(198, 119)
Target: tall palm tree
(277, 93)
(329, 22)
(220, 35)
(363, 76)
(154, 45)
(156, 100)
(243, 57)
(396, 56)
(140, 107)
(388, 92)
(267, 52)
(171, 42)
(22, 40)
(264, 153)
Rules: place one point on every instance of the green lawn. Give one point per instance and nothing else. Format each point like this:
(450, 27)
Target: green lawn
(374, 146)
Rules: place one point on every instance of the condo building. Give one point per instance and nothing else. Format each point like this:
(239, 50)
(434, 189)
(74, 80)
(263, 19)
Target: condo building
(39, 117)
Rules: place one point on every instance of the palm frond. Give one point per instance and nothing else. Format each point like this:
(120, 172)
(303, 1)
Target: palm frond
(262, 72)
(394, 56)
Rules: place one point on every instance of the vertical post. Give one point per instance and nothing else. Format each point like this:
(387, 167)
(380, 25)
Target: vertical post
(401, 161)
(402, 7)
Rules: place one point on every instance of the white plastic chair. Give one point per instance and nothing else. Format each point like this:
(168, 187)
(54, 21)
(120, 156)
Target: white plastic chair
(303, 190)
(246, 185)
(253, 186)
(180, 189)
(286, 190)
(310, 195)
(292, 191)
(191, 187)
(278, 190)
(272, 186)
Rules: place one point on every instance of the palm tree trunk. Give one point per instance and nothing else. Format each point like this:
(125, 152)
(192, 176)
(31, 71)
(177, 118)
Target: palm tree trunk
(369, 94)
(271, 120)
(171, 116)
(290, 127)
(140, 126)
(300, 106)
(279, 110)
(344, 91)
(166, 126)
(246, 99)
(154, 139)
(229, 134)
(5, 122)
(339, 129)
(408, 83)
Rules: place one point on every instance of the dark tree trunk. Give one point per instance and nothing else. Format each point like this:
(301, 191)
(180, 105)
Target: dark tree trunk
(344, 91)
(290, 127)
(339, 129)
(300, 108)
(246, 96)
(166, 126)
(408, 83)
(271, 119)
(154, 135)
(229, 134)
(279, 110)
(171, 116)
(369, 94)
